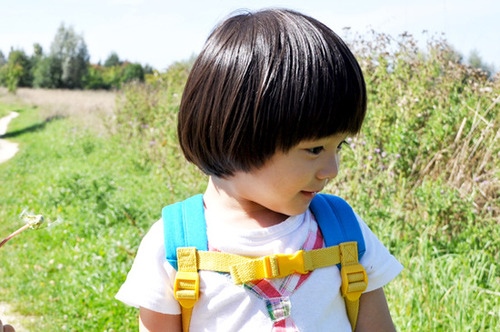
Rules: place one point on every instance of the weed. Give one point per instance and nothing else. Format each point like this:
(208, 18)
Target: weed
(423, 173)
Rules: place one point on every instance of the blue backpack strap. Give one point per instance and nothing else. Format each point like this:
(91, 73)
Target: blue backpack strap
(184, 226)
(337, 221)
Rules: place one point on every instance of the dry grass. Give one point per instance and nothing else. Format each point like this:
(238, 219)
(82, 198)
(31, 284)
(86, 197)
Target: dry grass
(92, 109)
(471, 165)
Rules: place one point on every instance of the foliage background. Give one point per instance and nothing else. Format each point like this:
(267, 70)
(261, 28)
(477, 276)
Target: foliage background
(66, 66)
(424, 174)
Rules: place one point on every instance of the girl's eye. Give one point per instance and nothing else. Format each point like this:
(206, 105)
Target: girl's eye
(316, 150)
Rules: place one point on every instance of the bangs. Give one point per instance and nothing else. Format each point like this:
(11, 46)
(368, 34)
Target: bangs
(264, 82)
(318, 88)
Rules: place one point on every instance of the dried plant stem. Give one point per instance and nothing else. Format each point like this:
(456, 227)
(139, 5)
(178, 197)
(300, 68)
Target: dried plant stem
(19, 231)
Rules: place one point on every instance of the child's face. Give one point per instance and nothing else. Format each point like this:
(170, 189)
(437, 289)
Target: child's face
(287, 183)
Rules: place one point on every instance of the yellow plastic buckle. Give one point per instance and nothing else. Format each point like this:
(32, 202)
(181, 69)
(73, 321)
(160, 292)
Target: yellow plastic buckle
(354, 281)
(282, 265)
(187, 288)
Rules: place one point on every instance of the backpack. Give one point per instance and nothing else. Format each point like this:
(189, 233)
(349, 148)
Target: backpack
(187, 251)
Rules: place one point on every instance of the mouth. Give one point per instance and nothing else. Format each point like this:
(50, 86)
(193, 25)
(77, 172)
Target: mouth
(310, 194)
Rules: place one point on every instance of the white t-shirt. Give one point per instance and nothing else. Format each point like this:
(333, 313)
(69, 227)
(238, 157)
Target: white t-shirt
(317, 305)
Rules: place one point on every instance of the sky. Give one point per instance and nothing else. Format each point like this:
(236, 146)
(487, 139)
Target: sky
(160, 32)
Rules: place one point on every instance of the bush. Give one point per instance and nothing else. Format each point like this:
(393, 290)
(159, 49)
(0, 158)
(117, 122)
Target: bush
(423, 173)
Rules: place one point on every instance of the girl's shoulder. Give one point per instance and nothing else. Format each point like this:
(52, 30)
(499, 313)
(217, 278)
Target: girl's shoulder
(152, 244)
(380, 265)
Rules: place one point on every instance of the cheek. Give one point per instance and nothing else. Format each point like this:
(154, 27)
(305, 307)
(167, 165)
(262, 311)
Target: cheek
(292, 180)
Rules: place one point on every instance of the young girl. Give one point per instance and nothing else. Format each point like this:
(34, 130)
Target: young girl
(266, 109)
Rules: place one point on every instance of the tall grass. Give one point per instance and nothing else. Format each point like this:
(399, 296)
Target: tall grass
(72, 165)
(423, 173)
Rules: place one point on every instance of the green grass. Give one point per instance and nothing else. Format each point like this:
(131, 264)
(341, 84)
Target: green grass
(67, 275)
(424, 174)
(446, 292)
(5, 109)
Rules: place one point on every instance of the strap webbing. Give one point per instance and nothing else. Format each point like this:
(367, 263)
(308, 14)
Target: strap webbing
(187, 283)
(337, 221)
(184, 220)
(354, 280)
(182, 224)
(244, 269)
(276, 294)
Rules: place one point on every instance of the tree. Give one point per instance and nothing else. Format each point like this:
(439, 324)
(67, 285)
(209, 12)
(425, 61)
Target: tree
(477, 62)
(112, 60)
(36, 61)
(37, 50)
(132, 72)
(47, 73)
(70, 58)
(17, 71)
(95, 78)
(2, 59)
(3, 69)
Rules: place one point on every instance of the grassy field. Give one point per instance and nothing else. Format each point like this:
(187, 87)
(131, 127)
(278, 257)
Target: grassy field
(424, 174)
(70, 166)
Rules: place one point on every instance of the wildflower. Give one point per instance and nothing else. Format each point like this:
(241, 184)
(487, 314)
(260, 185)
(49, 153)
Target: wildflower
(32, 221)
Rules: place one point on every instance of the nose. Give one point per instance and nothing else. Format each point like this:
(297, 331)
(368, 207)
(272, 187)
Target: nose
(329, 168)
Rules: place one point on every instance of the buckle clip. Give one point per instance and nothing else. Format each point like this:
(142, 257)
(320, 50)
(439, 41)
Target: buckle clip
(354, 281)
(282, 265)
(187, 288)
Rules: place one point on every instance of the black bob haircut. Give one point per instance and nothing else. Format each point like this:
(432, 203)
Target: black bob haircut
(264, 82)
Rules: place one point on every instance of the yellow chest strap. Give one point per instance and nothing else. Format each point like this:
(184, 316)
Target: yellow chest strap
(244, 269)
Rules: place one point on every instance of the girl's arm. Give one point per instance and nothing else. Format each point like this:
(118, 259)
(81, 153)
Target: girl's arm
(374, 315)
(6, 328)
(152, 321)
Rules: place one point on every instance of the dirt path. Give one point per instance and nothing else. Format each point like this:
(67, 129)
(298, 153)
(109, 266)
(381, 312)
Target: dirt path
(9, 317)
(7, 149)
(91, 107)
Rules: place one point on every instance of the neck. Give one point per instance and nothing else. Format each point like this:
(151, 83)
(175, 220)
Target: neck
(222, 200)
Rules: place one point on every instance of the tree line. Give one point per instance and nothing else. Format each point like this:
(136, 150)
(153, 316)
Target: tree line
(66, 66)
